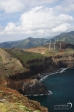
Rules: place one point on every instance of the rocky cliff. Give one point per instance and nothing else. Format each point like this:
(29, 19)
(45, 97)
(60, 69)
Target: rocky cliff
(28, 86)
(62, 61)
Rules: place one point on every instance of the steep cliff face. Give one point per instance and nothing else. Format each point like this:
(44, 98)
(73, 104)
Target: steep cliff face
(26, 82)
(64, 61)
(33, 87)
(29, 87)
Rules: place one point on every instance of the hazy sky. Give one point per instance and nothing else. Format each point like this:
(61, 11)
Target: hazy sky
(20, 19)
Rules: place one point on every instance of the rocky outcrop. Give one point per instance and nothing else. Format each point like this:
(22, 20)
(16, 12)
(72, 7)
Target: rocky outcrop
(64, 61)
(34, 87)
(28, 86)
(35, 66)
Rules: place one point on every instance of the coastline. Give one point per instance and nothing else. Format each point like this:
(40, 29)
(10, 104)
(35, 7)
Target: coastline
(45, 75)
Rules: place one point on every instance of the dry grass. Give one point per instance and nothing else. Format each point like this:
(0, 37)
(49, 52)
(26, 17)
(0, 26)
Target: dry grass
(12, 100)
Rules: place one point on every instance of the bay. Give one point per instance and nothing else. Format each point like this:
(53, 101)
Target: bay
(62, 87)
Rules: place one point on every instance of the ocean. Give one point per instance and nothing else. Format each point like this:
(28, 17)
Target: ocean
(62, 87)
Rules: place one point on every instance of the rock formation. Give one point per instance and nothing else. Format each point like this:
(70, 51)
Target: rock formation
(29, 87)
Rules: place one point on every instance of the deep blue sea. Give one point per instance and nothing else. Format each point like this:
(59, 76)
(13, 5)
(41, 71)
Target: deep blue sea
(62, 87)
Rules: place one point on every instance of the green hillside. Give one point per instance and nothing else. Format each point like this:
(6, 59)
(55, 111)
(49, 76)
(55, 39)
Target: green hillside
(24, 56)
(66, 37)
(26, 43)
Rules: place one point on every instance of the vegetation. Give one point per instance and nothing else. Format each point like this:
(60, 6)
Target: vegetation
(12, 101)
(24, 56)
(1, 59)
(33, 42)
(25, 43)
(13, 107)
(65, 37)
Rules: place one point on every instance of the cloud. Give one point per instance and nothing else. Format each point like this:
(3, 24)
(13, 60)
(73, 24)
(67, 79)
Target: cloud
(10, 28)
(34, 3)
(40, 22)
(62, 28)
(42, 17)
(11, 6)
(65, 6)
(36, 18)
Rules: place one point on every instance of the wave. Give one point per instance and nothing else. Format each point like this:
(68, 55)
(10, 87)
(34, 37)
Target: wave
(50, 92)
(63, 70)
(48, 74)
(44, 77)
(53, 73)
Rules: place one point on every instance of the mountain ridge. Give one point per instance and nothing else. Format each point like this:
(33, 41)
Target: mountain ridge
(66, 37)
(31, 42)
(25, 43)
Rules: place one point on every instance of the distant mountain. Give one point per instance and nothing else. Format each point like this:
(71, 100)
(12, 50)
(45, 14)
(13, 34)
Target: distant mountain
(34, 42)
(66, 37)
(26, 43)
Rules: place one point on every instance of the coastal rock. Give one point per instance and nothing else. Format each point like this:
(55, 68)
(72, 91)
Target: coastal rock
(29, 87)
(34, 87)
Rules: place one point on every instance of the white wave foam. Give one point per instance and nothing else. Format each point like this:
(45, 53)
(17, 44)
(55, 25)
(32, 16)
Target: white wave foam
(53, 73)
(63, 70)
(44, 78)
(50, 92)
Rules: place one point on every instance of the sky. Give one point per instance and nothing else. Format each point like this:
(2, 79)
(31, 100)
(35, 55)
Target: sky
(20, 19)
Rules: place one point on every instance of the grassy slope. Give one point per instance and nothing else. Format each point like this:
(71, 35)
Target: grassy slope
(12, 101)
(1, 59)
(44, 50)
(24, 56)
(9, 65)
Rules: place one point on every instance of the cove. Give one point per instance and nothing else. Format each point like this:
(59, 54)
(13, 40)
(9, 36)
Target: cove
(62, 87)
